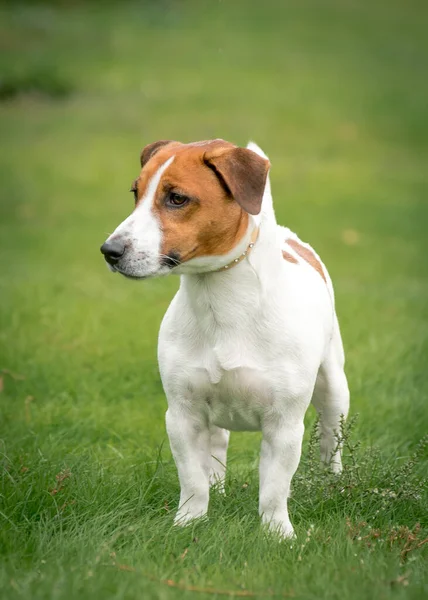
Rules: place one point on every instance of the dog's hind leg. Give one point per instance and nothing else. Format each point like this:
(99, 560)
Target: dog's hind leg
(219, 443)
(331, 400)
(279, 459)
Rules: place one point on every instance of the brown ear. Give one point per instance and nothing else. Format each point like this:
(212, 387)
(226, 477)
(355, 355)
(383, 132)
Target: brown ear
(244, 174)
(151, 149)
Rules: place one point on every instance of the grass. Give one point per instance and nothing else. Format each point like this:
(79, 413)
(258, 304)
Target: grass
(336, 94)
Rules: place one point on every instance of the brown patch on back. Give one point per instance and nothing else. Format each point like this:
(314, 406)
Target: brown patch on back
(212, 223)
(289, 257)
(307, 255)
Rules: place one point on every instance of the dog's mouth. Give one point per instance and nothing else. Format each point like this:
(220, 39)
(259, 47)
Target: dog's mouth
(115, 269)
(134, 277)
(166, 265)
(111, 267)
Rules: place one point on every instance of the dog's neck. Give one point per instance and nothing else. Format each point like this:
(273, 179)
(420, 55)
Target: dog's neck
(226, 297)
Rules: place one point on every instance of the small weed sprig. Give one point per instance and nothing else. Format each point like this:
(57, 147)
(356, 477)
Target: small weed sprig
(61, 477)
(367, 484)
(404, 538)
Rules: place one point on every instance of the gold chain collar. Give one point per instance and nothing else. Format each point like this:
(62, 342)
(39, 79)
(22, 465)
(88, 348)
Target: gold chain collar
(241, 257)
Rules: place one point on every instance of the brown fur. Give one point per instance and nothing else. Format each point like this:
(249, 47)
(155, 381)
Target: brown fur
(151, 149)
(308, 256)
(244, 174)
(289, 257)
(212, 223)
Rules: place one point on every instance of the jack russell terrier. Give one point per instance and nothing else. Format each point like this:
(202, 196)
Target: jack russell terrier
(251, 337)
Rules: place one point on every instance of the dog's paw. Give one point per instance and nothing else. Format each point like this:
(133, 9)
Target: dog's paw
(283, 529)
(286, 532)
(336, 466)
(182, 519)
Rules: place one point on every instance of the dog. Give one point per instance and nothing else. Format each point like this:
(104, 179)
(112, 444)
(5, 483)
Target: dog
(251, 337)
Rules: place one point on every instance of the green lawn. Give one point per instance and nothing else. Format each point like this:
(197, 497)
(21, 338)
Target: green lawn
(336, 93)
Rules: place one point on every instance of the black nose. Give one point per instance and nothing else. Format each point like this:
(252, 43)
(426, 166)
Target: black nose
(112, 250)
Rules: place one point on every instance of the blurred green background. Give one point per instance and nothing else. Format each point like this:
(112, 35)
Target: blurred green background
(335, 92)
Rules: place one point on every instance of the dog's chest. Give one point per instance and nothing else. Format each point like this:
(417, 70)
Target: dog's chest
(229, 362)
(233, 399)
(230, 384)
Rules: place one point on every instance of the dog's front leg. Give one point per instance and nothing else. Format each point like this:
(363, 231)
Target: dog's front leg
(189, 437)
(280, 456)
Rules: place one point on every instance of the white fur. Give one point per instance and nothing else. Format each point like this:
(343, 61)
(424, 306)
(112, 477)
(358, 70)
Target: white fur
(248, 349)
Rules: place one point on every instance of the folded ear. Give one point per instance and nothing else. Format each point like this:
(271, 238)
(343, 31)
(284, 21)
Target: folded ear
(242, 172)
(151, 149)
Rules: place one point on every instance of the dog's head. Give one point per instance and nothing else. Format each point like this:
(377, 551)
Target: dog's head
(192, 207)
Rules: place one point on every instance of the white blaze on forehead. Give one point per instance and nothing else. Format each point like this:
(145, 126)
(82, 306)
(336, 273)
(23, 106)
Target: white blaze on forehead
(145, 231)
(141, 232)
(142, 227)
(150, 192)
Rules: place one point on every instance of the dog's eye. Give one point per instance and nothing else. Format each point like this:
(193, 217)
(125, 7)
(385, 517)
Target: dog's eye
(176, 200)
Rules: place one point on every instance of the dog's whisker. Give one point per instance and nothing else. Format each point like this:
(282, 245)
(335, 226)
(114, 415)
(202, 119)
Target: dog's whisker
(171, 258)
